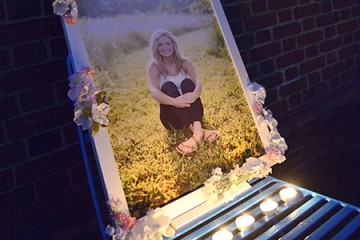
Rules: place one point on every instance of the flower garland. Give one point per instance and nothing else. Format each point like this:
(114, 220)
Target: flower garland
(67, 9)
(223, 186)
(153, 226)
(90, 107)
(277, 147)
(123, 221)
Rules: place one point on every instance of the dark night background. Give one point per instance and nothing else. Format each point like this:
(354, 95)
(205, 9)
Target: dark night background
(305, 52)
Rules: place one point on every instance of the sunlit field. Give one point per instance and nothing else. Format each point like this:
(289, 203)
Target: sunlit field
(151, 170)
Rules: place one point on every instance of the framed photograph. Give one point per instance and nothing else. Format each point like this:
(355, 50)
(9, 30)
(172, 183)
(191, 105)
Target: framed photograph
(151, 154)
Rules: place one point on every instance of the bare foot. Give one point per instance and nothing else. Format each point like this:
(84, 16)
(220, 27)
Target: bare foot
(210, 135)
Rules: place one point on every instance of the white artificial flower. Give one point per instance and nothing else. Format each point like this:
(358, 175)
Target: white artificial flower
(82, 119)
(216, 171)
(99, 113)
(61, 7)
(109, 230)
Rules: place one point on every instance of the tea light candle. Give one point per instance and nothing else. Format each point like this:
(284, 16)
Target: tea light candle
(269, 207)
(245, 223)
(222, 235)
(288, 194)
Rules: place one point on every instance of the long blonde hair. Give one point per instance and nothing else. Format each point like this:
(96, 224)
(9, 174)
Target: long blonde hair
(156, 57)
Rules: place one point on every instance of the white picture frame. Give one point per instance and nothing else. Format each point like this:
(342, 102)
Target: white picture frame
(195, 204)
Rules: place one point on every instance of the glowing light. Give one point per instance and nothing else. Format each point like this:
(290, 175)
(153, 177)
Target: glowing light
(288, 194)
(222, 235)
(269, 207)
(245, 222)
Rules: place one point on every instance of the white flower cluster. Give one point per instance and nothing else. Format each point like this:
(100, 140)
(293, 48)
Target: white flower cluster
(88, 110)
(224, 186)
(264, 118)
(153, 226)
(65, 7)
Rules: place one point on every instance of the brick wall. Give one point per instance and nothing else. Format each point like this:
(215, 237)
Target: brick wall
(43, 187)
(305, 52)
(307, 55)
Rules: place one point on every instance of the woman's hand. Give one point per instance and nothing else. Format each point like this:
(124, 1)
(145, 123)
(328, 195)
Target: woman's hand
(190, 97)
(181, 102)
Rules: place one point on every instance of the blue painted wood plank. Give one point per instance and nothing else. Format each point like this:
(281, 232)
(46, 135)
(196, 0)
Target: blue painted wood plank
(310, 221)
(237, 211)
(325, 228)
(349, 229)
(293, 216)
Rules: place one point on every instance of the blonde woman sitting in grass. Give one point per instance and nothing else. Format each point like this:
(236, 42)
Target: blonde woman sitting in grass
(173, 83)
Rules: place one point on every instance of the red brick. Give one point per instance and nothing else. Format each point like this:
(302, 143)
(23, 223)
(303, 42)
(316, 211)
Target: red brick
(271, 95)
(350, 63)
(290, 58)
(253, 71)
(235, 11)
(17, 11)
(331, 44)
(342, 3)
(50, 164)
(45, 188)
(30, 76)
(236, 27)
(2, 12)
(245, 41)
(12, 153)
(309, 38)
(350, 75)
(30, 53)
(278, 4)
(348, 26)
(5, 61)
(267, 67)
(345, 14)
(295, 100)
(287, 30)
(307, 10)
(291, 73)
(308, 24)
(57, 207)
(9, 107)
(285, 16)
(311, 51)
(348, 39)
(40, 121)
(312, 65)
(325, 6)
(260, 22)
(289, 44)
(292, 87)
(6, 179)
(333, 70)
(315, 91)
(330, 32)
(49, 141)
(271, 81)
(334, 82)
(263, 36)
(37, 98)
(258, 6)
(279, 107)
(264, 52)
(327, 19)
(331, 58)
(10, 226)
(17, 199)
(355, 11)
(29, 30)
(314, 78)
